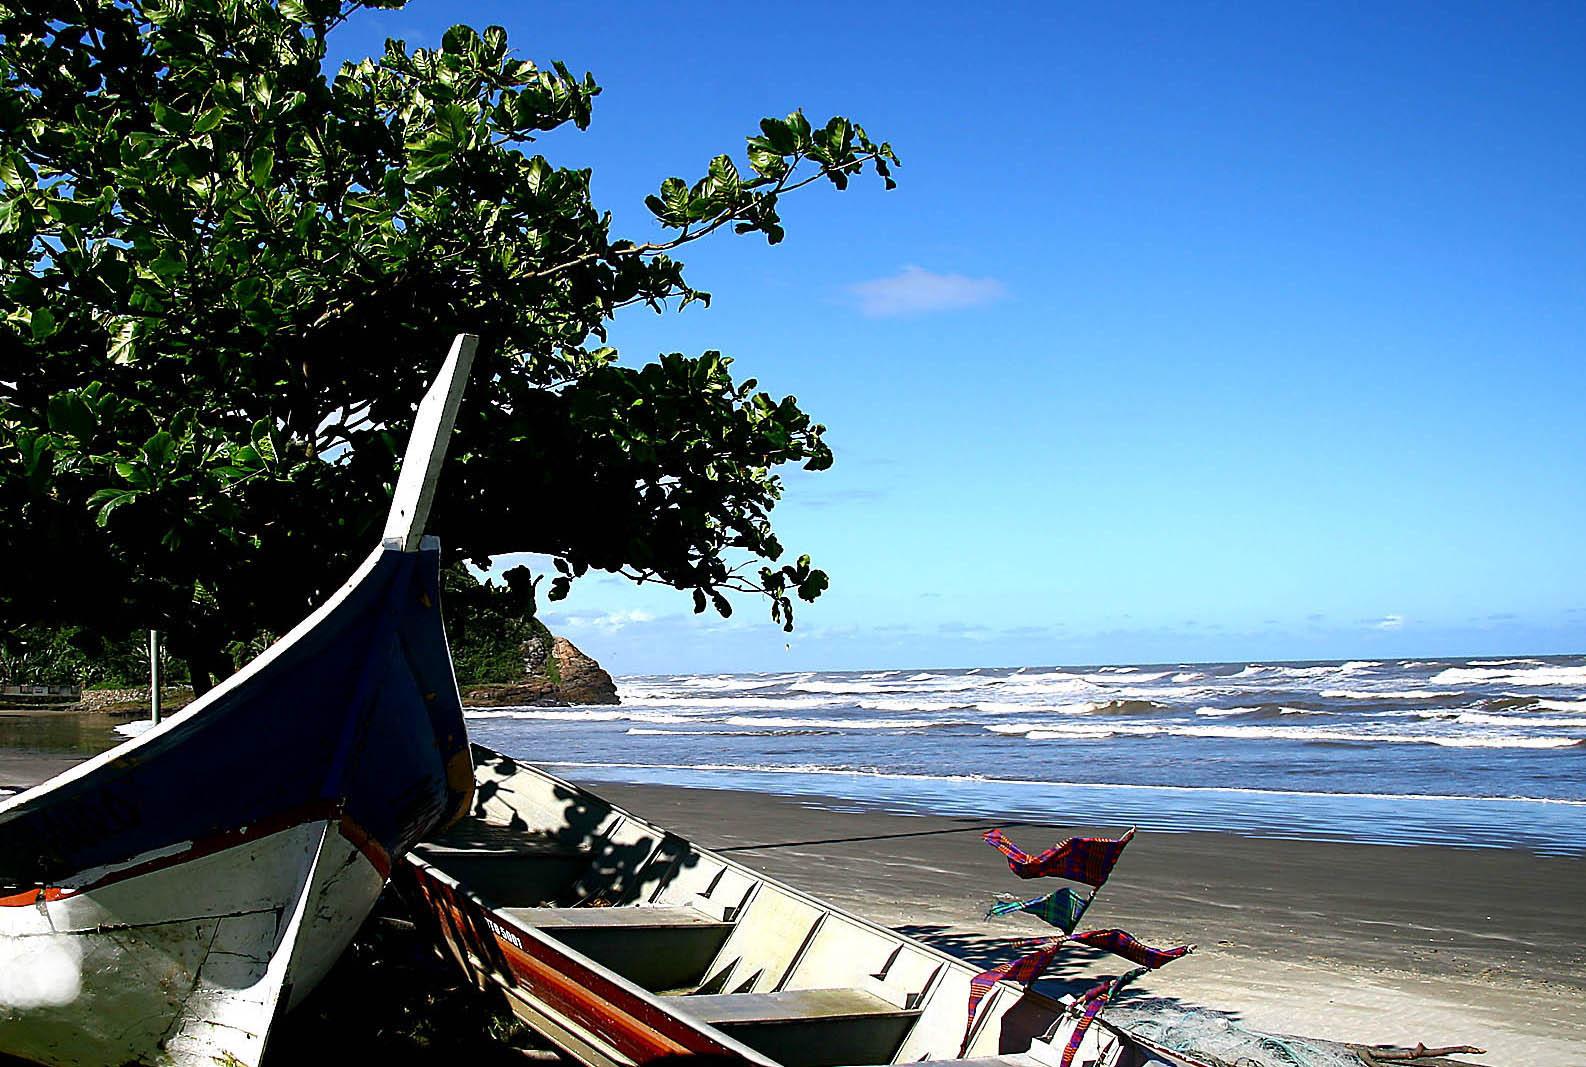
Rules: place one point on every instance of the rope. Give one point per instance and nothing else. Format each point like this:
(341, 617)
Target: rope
(1214, 1038)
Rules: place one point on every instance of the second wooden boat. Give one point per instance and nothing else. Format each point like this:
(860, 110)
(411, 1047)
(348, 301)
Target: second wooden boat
(621, 943)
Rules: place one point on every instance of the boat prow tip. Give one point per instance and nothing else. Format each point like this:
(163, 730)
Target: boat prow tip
(421, 464)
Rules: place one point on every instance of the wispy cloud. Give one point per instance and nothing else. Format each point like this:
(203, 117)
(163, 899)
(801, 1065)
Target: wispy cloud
(835, 498)
(917, 291)
(968, 631)
(1389, 622)
(608, 622)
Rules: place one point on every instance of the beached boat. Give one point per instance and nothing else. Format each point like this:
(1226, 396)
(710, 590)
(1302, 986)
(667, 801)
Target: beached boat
(620, 942)
(166, 901)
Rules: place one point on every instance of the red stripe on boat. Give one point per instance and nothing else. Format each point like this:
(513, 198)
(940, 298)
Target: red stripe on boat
(207, 846)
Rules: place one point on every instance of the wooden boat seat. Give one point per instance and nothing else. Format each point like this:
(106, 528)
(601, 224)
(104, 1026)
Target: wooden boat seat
(503, 865)
(475, 836)
(657, 948)
(627, 918)
(808, 1027)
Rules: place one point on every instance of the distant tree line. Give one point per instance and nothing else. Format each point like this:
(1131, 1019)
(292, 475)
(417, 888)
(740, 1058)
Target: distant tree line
(489, 626)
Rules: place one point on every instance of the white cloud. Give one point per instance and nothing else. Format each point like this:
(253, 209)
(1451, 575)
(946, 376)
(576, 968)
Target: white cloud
(608, 622)
(917, 291)
(1390, 622)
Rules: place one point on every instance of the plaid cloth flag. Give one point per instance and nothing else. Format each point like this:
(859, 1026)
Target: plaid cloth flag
(1094, 999)
(1027, 968)
(1079, 859)
(1024, 970)
(1122, 944)
(1061, 909)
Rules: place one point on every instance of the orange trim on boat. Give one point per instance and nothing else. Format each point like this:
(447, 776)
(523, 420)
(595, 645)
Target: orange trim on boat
(33, 896)
(361, 840)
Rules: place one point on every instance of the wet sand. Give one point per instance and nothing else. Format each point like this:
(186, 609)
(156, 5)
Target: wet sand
(1347, 941)
(35, 744)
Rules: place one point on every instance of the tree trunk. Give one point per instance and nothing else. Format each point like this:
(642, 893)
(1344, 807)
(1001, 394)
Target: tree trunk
(206, 668)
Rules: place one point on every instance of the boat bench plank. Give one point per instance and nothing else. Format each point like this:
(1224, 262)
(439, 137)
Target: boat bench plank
(790, 1005)
(503, 866)
(475, 837)
(629, 918)
(808, 1027)
(657, 948)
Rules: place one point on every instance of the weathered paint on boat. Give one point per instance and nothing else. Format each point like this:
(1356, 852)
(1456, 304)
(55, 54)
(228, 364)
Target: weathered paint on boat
(187, 887)
(160, 979)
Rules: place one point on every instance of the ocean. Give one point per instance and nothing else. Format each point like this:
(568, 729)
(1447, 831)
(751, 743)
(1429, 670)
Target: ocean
(1483, 753)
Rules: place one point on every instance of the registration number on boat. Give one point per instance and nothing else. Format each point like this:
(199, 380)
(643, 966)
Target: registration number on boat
(502, 932)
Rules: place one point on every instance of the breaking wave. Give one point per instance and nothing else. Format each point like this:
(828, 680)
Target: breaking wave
(1493, 727)
(1542, 675)
(1067, 731)
(574, 715)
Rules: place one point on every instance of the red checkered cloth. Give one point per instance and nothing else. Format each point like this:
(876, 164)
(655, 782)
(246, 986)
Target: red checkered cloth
(1079, 859)
(1120, 943)
(1027, 968)
(1094, 999)
(1024, 970)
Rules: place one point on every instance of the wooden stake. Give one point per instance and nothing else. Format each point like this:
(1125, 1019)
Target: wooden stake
(154, 675)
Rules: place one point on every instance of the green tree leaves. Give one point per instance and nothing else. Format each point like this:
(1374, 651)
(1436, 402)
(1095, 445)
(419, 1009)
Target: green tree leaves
(722, 196)
(227, 274)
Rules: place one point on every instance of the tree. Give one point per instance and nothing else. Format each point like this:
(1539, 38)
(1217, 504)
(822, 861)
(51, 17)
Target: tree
(42, 655)
(226, 277)
(489, 627)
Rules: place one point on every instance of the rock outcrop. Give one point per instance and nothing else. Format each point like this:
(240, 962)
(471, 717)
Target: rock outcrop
(555, 673)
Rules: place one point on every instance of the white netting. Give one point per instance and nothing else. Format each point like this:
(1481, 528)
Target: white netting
(1214, 1038)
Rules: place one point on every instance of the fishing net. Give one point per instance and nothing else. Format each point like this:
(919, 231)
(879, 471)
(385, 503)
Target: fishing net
(1215, 1039)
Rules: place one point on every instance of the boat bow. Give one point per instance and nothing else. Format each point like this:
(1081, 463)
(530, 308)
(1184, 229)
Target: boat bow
(199, 878)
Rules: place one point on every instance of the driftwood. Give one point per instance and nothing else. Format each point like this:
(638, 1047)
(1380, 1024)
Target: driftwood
(1382, 1054)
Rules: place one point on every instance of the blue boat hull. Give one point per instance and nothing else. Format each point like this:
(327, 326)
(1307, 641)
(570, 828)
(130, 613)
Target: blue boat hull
(360, 719)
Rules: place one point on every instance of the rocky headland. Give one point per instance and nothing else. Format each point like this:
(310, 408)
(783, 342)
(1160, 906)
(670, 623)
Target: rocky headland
(555, 672)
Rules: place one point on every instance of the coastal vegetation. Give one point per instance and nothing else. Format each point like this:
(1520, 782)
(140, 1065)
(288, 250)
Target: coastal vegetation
(494, 634)
(227, 273)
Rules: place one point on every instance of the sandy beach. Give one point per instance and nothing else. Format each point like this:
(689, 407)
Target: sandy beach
(1347, 941)
(1353, 942)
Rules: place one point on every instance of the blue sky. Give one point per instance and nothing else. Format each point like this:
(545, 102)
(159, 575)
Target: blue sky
(1193, 331)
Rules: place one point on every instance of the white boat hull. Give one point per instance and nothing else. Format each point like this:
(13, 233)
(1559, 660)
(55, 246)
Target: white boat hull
(184, 962)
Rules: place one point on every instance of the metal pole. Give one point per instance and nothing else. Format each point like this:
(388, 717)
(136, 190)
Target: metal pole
(154, 675)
